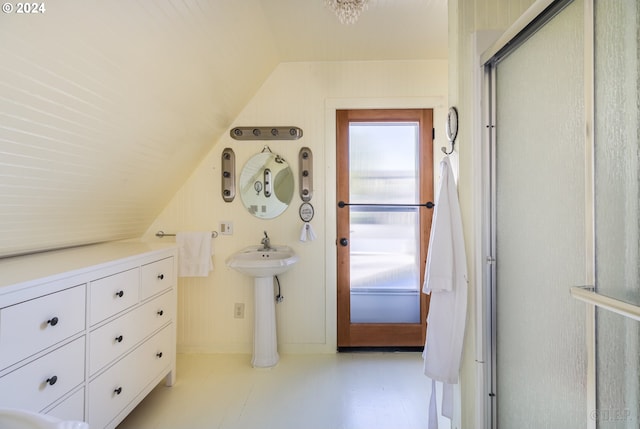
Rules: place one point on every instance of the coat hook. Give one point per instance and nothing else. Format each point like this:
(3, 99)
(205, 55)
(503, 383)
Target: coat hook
(451, 129)
(444, 149)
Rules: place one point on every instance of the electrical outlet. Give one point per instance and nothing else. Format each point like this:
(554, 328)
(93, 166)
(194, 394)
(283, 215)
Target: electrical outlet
(226, 227)
(238, 310)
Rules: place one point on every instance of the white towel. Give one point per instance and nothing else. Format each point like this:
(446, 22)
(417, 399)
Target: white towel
(446, 281)
(194, 254)
(307, 232)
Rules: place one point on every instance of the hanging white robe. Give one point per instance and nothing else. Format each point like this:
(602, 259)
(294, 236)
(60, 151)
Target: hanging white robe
(446, 281)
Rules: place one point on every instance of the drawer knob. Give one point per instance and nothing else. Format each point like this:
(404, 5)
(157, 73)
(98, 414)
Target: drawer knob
(119, 338)
(52, 380)
(160, 312)
(53, 321)
(159, 355)
(118, 391)
(120, 293)
(160, 276)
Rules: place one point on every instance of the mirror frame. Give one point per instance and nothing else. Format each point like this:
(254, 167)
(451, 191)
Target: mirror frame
(266, 185)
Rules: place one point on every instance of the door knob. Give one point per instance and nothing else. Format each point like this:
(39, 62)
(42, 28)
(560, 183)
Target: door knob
(344, 241)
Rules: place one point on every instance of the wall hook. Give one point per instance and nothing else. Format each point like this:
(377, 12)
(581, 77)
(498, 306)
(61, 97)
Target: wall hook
(451, 128)
(444, 149)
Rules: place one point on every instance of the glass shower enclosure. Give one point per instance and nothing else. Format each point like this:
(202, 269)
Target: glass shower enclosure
(566, 159)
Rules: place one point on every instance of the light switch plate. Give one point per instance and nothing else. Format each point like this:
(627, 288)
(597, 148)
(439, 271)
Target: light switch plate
(226, 227)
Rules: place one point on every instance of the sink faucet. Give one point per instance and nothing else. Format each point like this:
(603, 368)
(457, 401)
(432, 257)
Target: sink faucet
(266, 242)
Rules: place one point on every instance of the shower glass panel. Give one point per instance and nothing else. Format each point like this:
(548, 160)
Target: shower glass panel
(384, 247)
(540, 228)
(617, 197)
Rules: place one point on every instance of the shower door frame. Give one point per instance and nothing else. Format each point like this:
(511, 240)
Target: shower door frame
(541, 12)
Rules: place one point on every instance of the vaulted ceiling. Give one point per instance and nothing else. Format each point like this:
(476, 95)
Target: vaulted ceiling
(107, 106)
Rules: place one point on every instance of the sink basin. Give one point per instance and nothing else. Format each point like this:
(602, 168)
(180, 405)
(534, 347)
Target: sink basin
(257, 262)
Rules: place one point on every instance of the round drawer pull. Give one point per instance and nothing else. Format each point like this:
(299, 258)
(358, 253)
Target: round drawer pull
(159, 355)
(118, 391)
(52, 380)
(119, 338)
(53, 321)
(160, 312)
(120, 293)
(160, 276)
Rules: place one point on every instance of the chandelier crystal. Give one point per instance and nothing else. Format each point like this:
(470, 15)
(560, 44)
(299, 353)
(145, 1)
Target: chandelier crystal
(347, 11)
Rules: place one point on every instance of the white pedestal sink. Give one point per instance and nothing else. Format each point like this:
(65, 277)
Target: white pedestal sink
(262, 265)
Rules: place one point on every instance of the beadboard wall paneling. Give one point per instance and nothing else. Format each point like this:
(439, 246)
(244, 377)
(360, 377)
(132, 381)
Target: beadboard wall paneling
(294, 94)
(106, 108)
(490, 14)
(471, 16)
(494, 14)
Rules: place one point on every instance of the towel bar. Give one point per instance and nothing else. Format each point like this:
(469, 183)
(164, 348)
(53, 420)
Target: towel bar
(161, 234)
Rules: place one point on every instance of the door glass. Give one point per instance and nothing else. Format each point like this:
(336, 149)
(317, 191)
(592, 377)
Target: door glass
(617, 192)
(384, 240)
(540, 228)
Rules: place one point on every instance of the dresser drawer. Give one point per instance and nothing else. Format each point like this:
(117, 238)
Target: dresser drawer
(45, 380)
(110, 341)
(71, 408)
(114, 389)
(34, 325)
(113, 339)
(156, 277)
(113, 294)
(155, 356)
(156, 313)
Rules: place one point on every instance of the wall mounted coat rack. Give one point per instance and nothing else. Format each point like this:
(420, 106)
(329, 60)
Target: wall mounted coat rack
(266, 133)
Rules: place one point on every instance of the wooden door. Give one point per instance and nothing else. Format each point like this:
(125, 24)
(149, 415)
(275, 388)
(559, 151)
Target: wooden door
(384, 210)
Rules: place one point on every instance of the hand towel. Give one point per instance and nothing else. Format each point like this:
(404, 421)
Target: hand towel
(194, 254)
(307, 232)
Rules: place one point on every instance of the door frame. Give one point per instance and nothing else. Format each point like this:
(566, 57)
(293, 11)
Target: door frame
(438, 104)
(381, 334)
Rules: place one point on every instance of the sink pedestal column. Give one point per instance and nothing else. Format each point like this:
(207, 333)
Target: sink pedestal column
(265, 341)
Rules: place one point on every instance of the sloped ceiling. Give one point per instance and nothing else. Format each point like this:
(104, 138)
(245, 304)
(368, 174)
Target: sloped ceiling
(107, 106)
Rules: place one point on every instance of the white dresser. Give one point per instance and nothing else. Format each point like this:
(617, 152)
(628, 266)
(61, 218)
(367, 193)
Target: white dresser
(86, 333)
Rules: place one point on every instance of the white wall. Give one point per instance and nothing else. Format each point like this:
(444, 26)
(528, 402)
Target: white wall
(304, 95)
(466, 19)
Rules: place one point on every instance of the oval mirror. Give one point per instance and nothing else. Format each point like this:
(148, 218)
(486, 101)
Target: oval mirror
(266, 185)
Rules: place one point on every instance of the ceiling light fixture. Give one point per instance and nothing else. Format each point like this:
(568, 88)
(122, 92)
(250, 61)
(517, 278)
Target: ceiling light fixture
(347, 11)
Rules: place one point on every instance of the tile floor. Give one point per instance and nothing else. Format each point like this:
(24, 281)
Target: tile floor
(330, 391)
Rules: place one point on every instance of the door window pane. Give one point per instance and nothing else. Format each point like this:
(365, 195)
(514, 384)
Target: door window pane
(384, 247)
